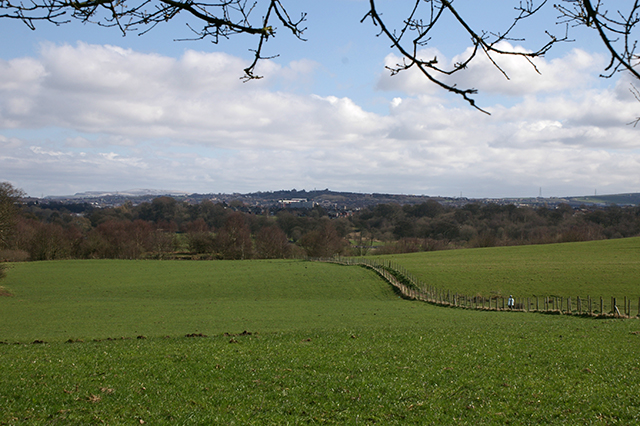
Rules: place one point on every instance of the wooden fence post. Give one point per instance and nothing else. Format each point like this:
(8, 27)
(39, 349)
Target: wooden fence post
(625, 306)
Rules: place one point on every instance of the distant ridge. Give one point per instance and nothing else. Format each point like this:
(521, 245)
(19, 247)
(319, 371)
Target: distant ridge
(344, 200)
(126, 193)
(632, 199)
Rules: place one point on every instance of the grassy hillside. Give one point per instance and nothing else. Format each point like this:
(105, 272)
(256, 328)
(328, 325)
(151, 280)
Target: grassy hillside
(326, 344)
(609, 268)
(441, 367)
(59, 300)
(620, 199)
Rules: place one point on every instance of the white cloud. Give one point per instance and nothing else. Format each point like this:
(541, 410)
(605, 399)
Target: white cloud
(101, 117)
(516, 76)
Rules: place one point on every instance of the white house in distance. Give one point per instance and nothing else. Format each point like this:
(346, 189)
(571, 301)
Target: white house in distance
(297, 203)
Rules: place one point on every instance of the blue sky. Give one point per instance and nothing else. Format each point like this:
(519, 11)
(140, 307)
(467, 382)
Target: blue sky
(83, 108)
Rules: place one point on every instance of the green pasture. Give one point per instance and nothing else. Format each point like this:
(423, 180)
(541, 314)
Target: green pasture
(324, 344)
(609, 268)
(85, 299)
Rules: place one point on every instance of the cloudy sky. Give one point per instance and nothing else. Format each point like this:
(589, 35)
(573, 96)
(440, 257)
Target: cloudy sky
(83, 108)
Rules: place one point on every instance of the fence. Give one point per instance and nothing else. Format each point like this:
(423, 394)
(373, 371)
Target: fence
(410, 287)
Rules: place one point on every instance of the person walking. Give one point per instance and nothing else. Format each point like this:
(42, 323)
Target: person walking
(510, 302)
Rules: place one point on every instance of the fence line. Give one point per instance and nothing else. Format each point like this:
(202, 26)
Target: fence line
(409, 287)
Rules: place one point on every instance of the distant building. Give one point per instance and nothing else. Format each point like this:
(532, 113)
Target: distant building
(297, 203)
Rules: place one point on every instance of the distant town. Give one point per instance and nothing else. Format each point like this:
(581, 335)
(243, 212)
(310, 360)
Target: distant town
(145, 224)
(336, 202)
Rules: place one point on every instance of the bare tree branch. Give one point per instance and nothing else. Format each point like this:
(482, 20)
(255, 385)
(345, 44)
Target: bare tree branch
(483, 42)
(617, 34)
(636, 93)
(216, 20)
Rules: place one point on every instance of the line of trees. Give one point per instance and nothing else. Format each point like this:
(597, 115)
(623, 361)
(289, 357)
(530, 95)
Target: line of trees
(164, 228)
(431, 226)
(167, 228)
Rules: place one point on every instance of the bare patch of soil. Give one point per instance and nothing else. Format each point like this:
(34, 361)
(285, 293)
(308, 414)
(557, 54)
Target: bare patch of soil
(195, 335)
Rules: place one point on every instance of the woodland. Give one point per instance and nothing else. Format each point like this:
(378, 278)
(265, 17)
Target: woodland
(166, 228)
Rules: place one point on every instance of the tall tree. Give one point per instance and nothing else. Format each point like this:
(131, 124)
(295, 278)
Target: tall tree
(323, 241)
(9, 198)
(272, 243)
(199, 237)
(234, 239)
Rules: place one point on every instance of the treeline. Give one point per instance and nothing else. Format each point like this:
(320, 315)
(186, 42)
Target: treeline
(166, 228)
(431, 226)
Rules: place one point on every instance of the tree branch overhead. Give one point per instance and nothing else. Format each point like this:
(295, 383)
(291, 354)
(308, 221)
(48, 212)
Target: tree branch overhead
(614, 22)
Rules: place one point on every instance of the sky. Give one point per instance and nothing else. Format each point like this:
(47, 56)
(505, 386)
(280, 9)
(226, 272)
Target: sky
(83, 108)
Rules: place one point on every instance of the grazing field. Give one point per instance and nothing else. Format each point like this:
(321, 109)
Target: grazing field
(608, 268)
(87, 299)
(292, 342)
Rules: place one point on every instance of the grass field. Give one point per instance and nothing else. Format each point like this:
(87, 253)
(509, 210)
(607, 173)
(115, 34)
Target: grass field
(325, 344)
(98, 299)
(609, 268)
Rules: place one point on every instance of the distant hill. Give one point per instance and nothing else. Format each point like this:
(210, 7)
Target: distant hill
(128, 193)
(333, 199)
(632, 199)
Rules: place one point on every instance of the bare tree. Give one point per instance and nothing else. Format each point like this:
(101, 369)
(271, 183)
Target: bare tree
(234, 239)
(9, 197)
(272, 243)
(614, 21)
(323, 241)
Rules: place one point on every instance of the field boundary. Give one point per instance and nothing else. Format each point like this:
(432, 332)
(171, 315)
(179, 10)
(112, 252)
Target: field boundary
(410, 287)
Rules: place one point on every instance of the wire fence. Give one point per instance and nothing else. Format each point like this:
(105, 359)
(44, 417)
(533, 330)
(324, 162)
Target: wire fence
(409, 286)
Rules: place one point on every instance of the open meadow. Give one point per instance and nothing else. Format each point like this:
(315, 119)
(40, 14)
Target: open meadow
(607, 268)
(294, 342)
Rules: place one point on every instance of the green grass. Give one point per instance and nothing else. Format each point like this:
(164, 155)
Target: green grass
(62, 300)
(609, 268)
(442, 366)
(329, 345)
